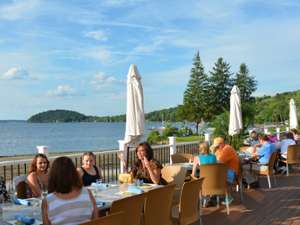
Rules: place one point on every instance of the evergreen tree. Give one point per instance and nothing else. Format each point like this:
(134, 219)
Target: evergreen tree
(220, 86)
(245, 82)
(195, 99)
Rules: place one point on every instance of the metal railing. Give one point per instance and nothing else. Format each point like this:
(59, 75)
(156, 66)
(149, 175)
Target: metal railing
(108, 161)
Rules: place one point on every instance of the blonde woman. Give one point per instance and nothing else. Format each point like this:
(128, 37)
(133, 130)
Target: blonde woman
(205, 157)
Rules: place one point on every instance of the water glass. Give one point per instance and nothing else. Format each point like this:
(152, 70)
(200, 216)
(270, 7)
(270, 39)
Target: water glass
(44, 190)
(99, 181)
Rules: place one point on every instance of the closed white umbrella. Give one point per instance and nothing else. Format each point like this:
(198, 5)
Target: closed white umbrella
(135, 120)
(293, 115)
(235, 116)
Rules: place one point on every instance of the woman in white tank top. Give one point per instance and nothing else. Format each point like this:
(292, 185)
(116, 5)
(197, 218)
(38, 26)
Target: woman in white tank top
(68, 202)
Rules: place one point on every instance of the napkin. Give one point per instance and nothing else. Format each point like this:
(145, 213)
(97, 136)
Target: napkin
(25, 219)
(100, 186)
(134, 189)
(19, 201)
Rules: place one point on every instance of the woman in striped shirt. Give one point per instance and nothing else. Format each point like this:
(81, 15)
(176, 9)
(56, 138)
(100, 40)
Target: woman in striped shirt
(68, 203)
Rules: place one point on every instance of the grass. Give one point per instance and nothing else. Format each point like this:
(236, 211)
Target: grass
(189, 138)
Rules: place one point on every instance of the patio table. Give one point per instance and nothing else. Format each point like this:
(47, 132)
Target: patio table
(10, 211)
(105, 197)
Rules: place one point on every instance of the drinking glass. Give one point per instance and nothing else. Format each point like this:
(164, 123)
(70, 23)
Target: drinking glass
(99, 181)
(44, 190)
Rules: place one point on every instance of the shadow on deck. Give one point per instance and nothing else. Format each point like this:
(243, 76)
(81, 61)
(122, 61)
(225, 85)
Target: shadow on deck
(261, 206)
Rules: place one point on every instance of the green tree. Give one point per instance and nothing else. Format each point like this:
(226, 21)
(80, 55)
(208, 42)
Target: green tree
(245, 82)
(220, 86)
(195, 100)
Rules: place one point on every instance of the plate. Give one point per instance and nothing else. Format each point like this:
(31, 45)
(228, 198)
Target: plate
(15, 222)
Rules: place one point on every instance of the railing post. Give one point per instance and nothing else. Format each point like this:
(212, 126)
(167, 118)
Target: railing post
(207, 137)
(278, 133)
(287, 129)
(122, 147)
(266, 131)
(172, 143)
(42, 149)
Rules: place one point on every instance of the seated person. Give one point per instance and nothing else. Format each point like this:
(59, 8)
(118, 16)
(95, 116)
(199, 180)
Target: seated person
(146, 167)
(252, 140)
(296, 135)
(4, 196)
(227, 155)
(68, 202)
(205, 157)
(284, 144)
(89, 172)
(37, 178)
(264, 152)
(272, 138)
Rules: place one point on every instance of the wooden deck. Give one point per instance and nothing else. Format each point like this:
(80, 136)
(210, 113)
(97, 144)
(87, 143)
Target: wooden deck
(262, 206)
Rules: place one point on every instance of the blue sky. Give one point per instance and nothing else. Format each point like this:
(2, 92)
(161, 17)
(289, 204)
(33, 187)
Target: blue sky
(75, 54)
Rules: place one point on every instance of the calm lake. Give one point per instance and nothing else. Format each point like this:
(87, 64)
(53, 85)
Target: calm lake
(18, 138)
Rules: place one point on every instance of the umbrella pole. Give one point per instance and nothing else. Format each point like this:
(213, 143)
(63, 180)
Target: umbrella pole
(127, 159)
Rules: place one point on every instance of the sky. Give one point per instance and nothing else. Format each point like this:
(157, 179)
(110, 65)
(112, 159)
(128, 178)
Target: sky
(75, 54)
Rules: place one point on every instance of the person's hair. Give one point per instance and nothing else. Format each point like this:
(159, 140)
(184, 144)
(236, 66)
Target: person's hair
(289, 135)
(33, 166)
(89, 154)
(63, 177)
(147, 147)
(204, 148)
(263, 137)
(295, 131)
(253, 132)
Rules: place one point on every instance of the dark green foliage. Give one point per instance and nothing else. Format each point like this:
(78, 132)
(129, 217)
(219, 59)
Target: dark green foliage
(154, 137)
(221, 123)
(195, 100)
(58, 116)
(246, 83)
(162, 115)
(275, 109)
(220, 86)
(169, 131)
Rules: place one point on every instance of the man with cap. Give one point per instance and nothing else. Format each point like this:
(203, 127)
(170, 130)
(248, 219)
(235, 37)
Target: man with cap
(227, 155)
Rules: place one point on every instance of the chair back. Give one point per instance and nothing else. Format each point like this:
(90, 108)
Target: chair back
(215, 179)
(111, 219)
(189, 202)
(293, 154)
(20, 186)
(158, 206)
(132, 208)
(174, 174)
(181, 157)
(272, 162)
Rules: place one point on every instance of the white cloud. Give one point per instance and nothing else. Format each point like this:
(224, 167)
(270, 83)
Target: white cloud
(97, 35)
(15, 74)
(101, 54)
(62, 91)
(18, 9)
(101, 80)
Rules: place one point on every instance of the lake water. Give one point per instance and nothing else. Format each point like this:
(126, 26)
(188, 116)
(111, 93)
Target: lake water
(18, 138)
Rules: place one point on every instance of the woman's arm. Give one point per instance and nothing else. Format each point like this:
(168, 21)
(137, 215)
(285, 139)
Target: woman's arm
(95, 209)
(45, 217)
(195, 165)
(33, 184)
(80, 172)
(154, 171)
